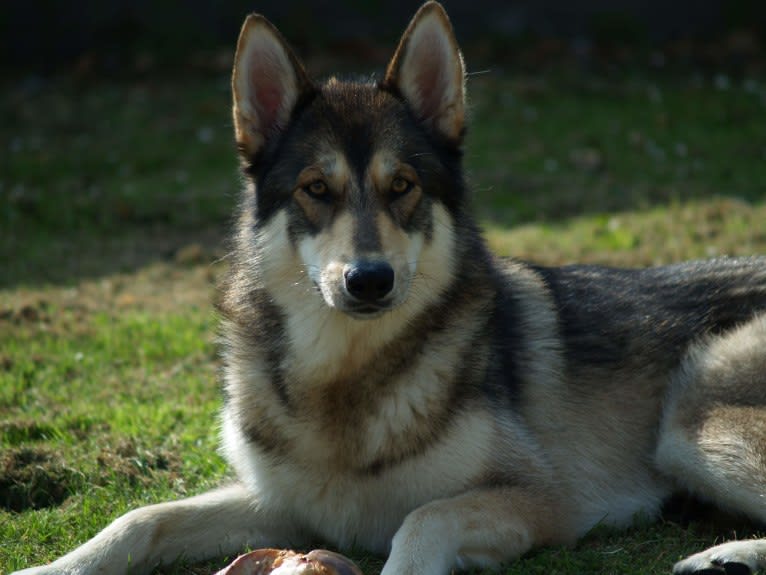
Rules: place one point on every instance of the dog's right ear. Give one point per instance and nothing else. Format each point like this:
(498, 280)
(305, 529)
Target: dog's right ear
(427, 71)
(267, 82)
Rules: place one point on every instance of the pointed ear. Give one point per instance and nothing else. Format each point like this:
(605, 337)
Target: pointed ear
(427, 71)
(267, 83)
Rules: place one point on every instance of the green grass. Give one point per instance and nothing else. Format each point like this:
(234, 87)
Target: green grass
(116, 195)
(564, 148)
(112, 164)
(99, 413)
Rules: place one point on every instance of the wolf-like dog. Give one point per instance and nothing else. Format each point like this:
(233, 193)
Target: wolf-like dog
(391, 385)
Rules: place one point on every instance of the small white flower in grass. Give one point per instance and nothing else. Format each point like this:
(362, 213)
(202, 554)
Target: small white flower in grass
(750, 86)
(721, 82)
(205, 134)
(529, 114)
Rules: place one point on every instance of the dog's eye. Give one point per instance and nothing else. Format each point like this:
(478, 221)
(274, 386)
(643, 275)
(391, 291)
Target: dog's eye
(316, 189)
(400, 185)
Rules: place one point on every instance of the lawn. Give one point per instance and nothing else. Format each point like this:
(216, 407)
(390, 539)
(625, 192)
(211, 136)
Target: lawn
(116, 197)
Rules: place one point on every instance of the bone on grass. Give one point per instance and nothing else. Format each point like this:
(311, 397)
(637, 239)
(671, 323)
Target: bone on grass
(283, 562)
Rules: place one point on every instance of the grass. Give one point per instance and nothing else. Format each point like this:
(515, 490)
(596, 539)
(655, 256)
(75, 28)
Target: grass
(115, 198)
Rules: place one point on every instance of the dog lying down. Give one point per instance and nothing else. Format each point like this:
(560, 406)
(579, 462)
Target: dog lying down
(392, 386)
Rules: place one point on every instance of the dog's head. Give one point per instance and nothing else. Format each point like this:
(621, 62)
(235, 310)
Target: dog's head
(356, 185)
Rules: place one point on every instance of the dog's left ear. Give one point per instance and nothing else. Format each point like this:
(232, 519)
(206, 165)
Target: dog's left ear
(427, 71)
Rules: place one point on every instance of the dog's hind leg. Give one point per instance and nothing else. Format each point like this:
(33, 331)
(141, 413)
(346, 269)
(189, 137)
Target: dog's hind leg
(220, 522)
(713, 438)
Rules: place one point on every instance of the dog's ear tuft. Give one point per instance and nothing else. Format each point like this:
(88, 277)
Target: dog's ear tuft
(267, 83)
(427, 71)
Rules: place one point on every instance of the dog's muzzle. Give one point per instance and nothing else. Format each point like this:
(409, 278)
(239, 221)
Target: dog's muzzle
(369, 284)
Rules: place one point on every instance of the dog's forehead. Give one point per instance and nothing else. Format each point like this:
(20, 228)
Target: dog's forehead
(357, 103)
(357, 120)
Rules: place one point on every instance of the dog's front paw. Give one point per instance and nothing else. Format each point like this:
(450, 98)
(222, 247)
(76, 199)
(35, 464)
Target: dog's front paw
(733, 558)
(706, 567)
(39, 570)
(59, 567)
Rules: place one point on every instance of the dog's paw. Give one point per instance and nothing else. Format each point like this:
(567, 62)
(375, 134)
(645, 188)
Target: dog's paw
(41, 570)
(710, 568)
(733, 558)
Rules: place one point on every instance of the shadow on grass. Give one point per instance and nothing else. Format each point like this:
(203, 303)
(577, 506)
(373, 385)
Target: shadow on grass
(63, 260)
(108, 177)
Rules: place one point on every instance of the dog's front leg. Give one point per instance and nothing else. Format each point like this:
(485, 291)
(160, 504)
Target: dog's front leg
(220, 522)
(480, 528)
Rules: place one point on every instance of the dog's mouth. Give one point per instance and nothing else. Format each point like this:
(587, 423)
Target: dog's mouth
(367, 310)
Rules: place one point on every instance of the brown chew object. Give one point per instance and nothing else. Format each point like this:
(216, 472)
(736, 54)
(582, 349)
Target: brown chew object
(284, 562)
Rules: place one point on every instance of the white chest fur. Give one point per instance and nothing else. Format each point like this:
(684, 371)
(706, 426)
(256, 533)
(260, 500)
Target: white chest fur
(347, 508)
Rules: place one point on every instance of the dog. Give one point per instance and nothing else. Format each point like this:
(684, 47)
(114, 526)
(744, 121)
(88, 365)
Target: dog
(391, 385)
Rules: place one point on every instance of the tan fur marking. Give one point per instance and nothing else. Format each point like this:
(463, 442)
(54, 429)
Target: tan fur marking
(331, 169)
(384, 168)
(396, 246)
(334, 168)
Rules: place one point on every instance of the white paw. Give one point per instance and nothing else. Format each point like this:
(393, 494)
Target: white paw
(40, 570)
(733, 558)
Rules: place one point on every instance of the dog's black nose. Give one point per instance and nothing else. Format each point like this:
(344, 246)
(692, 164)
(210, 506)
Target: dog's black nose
(369, 281)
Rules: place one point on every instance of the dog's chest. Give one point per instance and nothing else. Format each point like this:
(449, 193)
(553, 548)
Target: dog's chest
(364, 506)
(366, 398)
(366, 423)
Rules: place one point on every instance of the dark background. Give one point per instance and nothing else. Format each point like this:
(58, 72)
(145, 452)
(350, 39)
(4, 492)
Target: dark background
(135, 36)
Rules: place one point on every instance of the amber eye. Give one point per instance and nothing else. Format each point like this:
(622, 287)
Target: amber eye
(317, 188)
(400, 186)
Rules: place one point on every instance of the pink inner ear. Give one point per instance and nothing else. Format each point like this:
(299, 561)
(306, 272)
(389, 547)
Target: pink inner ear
(269, 101)
(430, 86)
(431, 75)
(267, 93)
